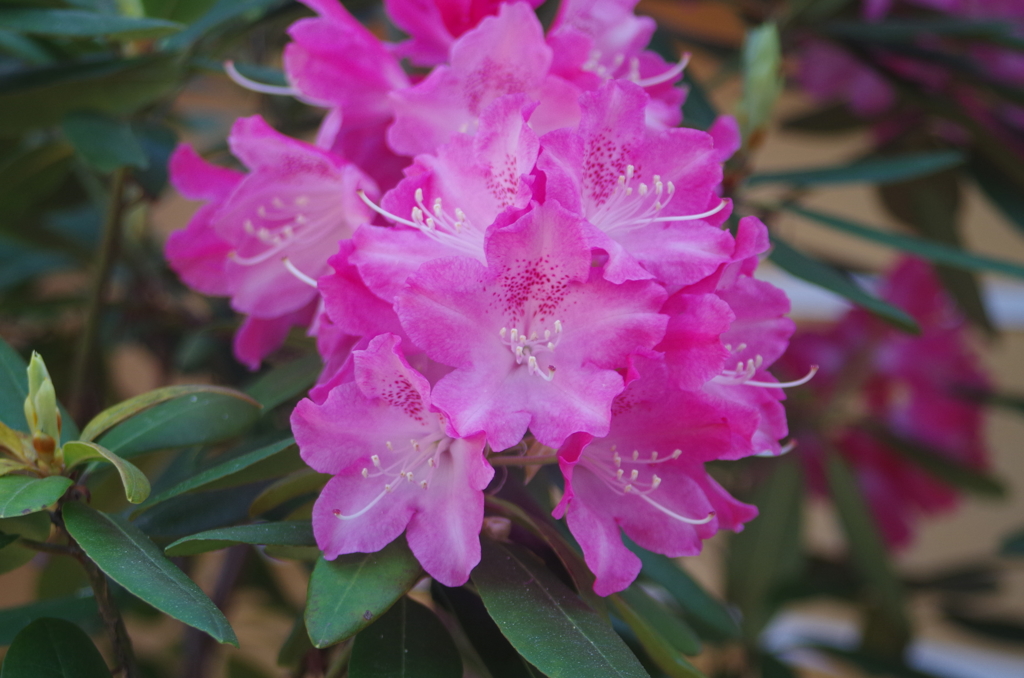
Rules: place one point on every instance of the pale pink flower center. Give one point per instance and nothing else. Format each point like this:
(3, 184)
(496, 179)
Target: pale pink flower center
(534, 348)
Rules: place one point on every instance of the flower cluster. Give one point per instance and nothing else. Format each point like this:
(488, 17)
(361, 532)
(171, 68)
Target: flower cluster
(519, 250)
(880, 389)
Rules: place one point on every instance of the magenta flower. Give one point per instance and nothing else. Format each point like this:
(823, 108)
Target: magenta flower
(647, 478)
(397, 468)
(650, 194)
(265, 236)
(535, 336)
(874, 376)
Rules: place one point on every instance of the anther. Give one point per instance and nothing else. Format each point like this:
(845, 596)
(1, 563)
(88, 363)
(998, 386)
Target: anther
(655, 481)
(376, 460)
(633, 474)
(636, 454)
(366, 473)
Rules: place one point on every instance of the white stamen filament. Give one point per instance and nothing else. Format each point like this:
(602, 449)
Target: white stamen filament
(665, 76)
(297, 273)
(458, 232)
(262, 88)
(527, 344)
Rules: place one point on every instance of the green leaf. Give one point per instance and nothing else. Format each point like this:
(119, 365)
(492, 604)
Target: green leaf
(762, 77)
(941, 466)
(497, 654)
(708, 615)
(766, 554)
(20, 495)
(35, 526)
(7, 539)
(288, 533)
(227, 470)
(545, 621)
(911, 30)
(1013, 545)
(829, 120)
(185, 11)
(197, 419)
(286, 381)
(872, 171)
(53, 648)
(872, 664)
(994, 628)
(868, 552)
(136, 484)
(104, 142)
(222, 13)
(196, 512)
(128, 557)
(112, 416)
(41, 97)
(73, 609)
(922, 247)
(298, 484)
(14, 390)
(823, 275)
(409, 641)
(1007, 195)
(346, 594)
(698, 110)
(662, 635)
(76, 23)
(773, 668)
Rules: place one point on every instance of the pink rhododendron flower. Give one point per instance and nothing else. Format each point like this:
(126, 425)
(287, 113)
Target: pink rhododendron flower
(266, 235)
(535, 336)
(647, 478)
(830, 73)
(396, 465)
(911, 386)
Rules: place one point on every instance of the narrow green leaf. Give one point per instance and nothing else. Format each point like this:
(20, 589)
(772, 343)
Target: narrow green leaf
(873, 664)
(872, 171)
(940, 466)
(14, 390)
(76, 23)
(7, 539)
(823, 275)
(829, 120)
(1000, 189)
(104, 142)
(196, 512)
(867, 549)
(112, 416)
(766, 554)
(707, 614)
(659, 632)
(409, 641)
(136, 484)
(994, 628)
(53, 648)
(185, 11)
(288, 533)
(221, 14)
(128, 557)
(228, 469)
(346, 594)
(21, 495)
(1013, 545)
(286, 381)
(35, 526)
(928, 249)
(545, 621)
(10, 466)
(196, 419)
(297, 484)
(73, 609)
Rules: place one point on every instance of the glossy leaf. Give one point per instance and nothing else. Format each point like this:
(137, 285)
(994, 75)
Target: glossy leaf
(348, 593)
(196, 419)
(112, 416)
(14, 390)
(928, 249)
(76, 23)
(1013, 545)
(409, 641)
(651, 636)
(545, 621)
(21, 495)
(35, 526)
(871, 171)
(196, 512)
(497, 654)
(53, 648)
(657, 615)
(228, 469)
(104, 142)
(289, 533)
(286, 381)
(73, 609)
(292, 486)
(823, 275)
(128, 557)
(136, 484)
(707, 614)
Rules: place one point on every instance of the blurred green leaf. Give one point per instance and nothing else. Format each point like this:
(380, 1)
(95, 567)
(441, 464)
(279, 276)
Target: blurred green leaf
(222, 12)
(823, 275)
(104, 142)
(1013, 545)
(7, 539)
(288, 533)
(828, 120)
(77, 23)
(297, 484)
(35, 526)
(53, 648)
(912, 30)
(73, 609)
(545, 621)
(136, 484)
(762, 77)
(1000, 189)
(284, 382)
(872, 171)
(409, 641)
(872, 664)
(21, 495)
(128, 557)
(773, 668)
(157, 142)
(348, 593)
(657, 615)
(992, 628)
(663, 636)
(184, 11)
(196, 419)
(928, 249)
(767, 553)
(698, 111)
